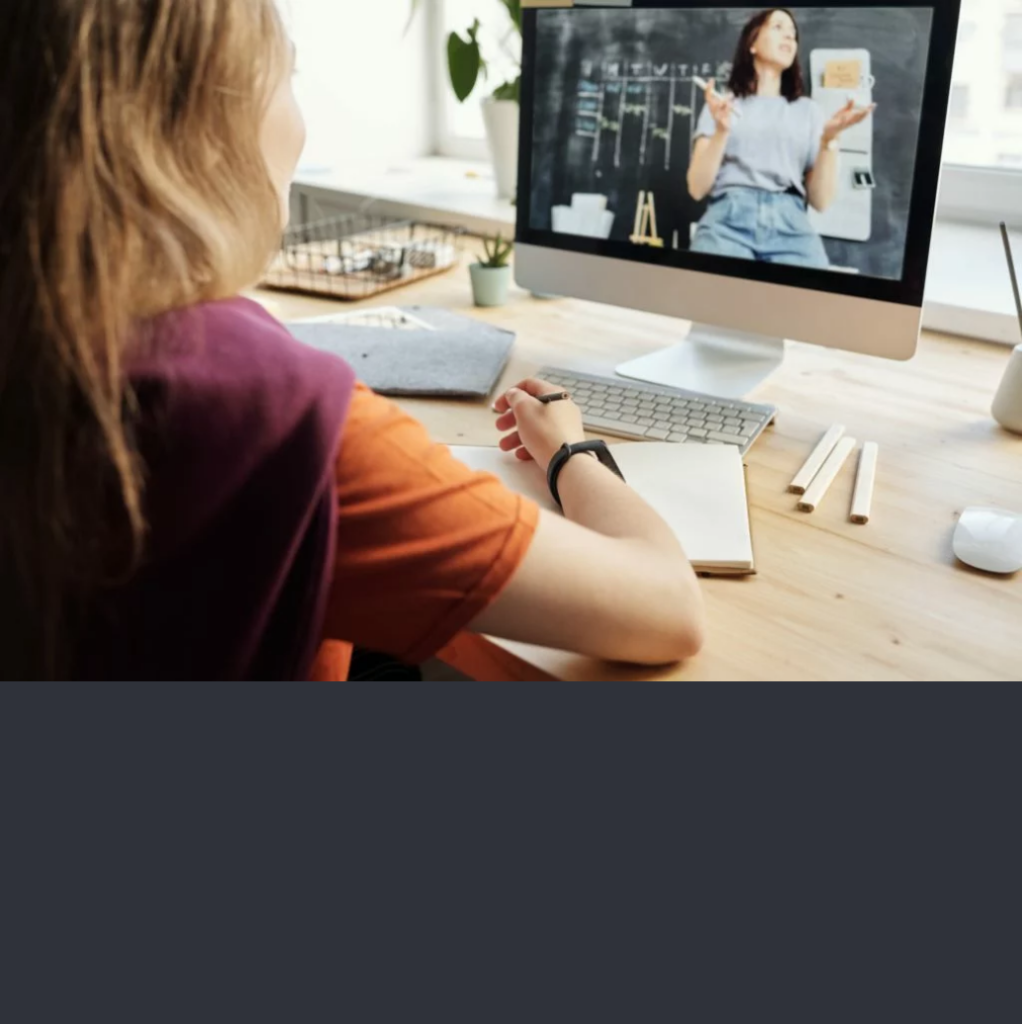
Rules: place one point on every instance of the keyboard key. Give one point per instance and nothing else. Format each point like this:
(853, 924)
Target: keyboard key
(678, 438)
(629, 419)
(697, 432)
(750, 430)
(646, 423)
(596, 424)
(611, 414)
(733, 431)
(732, 422)
(726, 439)
(658, 434)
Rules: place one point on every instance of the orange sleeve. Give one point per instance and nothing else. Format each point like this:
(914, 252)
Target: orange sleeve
(424, 544)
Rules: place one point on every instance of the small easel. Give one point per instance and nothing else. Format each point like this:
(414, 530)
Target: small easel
(645, 223)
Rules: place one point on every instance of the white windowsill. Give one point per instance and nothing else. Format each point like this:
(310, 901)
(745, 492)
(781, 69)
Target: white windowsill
(458, 193)
(968, 290)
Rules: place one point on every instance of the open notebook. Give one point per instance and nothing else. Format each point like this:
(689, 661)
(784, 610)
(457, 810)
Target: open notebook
(698, 489)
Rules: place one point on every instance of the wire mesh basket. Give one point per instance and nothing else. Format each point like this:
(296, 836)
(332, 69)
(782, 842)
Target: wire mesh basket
(358, 255)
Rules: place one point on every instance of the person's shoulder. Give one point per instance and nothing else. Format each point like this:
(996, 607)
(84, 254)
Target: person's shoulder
(223, 373)
(233, 343)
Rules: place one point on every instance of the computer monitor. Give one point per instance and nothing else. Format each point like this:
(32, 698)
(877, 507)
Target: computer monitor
(780, 204)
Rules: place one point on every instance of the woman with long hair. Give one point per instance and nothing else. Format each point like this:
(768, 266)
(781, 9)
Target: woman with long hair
(187, 491)
(766, 152)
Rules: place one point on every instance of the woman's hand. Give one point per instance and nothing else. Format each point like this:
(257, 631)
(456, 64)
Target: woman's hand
(538, 430)
(847, 117)
(723, 111)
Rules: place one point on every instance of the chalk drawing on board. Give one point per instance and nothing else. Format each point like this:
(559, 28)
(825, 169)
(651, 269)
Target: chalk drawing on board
(639, 93)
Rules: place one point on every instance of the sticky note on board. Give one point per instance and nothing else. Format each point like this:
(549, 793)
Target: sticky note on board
(842, 74)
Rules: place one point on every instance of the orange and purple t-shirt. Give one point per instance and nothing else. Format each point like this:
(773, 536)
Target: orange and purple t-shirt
(292, 514)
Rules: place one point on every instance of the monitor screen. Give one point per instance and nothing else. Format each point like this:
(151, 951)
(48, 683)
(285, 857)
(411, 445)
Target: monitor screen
(739, 140)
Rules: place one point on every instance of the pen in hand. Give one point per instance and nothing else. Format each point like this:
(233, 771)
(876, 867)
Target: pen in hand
(557, 396)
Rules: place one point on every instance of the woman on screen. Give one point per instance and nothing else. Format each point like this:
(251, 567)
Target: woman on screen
(766, 152)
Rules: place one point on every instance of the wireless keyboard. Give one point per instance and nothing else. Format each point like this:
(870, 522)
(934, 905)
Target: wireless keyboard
(646, 412)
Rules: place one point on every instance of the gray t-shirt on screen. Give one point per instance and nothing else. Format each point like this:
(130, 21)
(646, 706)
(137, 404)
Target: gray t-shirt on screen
(772, 145)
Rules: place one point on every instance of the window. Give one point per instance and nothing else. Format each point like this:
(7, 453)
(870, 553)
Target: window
(360, 84)
(1013, 43)
(462, 130)
(959, 108)
(988, 69)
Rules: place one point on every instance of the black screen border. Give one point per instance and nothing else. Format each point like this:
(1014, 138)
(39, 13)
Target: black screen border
(908, 291)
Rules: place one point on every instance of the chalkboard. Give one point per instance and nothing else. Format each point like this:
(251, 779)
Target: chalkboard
(615, 109)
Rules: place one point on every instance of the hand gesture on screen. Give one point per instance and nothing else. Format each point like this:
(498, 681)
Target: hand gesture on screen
(723, 110)
(847, 117)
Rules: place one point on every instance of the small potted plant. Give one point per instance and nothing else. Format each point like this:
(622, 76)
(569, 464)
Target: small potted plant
(491, 276)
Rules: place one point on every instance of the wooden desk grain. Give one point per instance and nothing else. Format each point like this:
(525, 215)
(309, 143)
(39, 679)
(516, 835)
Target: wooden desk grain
(832, 600)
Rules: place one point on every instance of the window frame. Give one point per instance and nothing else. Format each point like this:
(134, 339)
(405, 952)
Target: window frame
(447, 142)
(980, 195)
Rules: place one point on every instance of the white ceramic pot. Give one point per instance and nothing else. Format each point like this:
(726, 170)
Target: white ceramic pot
(490, 284)
(1008, 402)
(502, 118)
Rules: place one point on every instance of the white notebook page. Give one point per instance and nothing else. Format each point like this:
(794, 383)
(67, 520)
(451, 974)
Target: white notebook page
(699, 490)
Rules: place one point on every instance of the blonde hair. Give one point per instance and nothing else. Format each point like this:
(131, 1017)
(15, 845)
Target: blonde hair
(133, 183)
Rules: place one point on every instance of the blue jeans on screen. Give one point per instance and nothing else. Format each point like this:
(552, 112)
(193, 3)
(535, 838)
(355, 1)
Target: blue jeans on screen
(753, 224)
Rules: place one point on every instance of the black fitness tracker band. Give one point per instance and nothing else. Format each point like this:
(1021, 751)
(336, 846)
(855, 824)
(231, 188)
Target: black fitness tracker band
(566, 451)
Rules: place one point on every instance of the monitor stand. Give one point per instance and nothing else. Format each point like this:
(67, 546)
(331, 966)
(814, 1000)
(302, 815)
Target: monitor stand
(726, 364)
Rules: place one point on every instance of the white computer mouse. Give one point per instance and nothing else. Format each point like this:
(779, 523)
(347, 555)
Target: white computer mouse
(989, 539)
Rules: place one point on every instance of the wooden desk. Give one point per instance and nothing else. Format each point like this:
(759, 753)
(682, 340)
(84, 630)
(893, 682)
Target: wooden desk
(832, 600)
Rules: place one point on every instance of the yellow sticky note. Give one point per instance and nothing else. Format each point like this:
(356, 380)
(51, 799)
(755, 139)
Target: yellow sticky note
(842, 74)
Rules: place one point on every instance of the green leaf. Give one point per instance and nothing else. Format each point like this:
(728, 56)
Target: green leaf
(509, 90)
(498, 251)
(464, 61)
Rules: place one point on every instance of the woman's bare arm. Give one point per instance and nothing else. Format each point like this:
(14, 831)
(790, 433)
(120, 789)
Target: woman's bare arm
(708, 152)
(610, 579)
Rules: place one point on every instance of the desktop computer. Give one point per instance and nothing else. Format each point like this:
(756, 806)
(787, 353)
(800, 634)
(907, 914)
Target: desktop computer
(764, 173)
